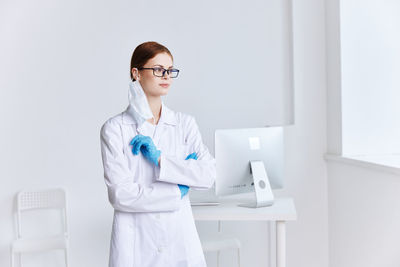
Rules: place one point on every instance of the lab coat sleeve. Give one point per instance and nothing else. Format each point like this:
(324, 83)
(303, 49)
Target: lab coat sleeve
(123, 193)
(198, 174)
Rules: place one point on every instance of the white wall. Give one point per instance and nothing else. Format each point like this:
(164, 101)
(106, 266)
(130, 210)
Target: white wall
(58, 89)
(364, 216)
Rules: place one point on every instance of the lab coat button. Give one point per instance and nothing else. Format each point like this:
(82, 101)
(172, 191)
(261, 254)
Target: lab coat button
(158, 216)
(160, 249)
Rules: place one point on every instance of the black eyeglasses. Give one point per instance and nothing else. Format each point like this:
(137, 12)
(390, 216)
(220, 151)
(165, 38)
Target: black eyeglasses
(159, 72)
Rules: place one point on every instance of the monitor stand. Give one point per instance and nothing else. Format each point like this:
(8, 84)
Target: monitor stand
(262, 187)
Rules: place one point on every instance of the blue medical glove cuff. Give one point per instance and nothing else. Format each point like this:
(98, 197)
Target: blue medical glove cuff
(184, 189)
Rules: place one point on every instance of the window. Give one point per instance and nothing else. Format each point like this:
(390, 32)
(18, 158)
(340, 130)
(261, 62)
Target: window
(370, 66)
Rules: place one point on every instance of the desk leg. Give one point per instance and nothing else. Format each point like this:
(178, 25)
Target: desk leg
(271, 244)
(280, 244)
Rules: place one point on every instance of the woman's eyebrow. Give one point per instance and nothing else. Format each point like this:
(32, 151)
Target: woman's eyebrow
(161, 65)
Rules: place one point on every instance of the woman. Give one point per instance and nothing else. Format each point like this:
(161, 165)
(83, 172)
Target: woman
(151, 157)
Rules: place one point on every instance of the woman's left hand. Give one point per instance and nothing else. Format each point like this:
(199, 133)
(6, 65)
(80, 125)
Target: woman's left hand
(184, 188)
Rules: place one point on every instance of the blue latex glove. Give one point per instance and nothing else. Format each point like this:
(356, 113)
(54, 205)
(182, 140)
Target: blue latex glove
(192, 156)
(184, 188)
(146, 146)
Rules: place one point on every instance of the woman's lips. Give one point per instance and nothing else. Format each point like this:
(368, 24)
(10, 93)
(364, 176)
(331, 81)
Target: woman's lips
(165, 85)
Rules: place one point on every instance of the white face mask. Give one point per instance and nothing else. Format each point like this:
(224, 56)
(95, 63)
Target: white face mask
(138, 102)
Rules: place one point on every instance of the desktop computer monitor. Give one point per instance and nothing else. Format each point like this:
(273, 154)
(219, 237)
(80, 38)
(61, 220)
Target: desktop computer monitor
(249, 160)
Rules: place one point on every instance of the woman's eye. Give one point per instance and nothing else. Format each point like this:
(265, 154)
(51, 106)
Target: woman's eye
(158, 70)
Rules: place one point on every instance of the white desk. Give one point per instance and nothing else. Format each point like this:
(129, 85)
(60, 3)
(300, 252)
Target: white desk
(283, 210)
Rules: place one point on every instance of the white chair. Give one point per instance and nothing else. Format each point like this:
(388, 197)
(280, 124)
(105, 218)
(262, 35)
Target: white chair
(220, 242)
(52, 198)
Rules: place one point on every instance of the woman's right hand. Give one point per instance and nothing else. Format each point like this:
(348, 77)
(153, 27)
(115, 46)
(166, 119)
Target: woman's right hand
(146, 146)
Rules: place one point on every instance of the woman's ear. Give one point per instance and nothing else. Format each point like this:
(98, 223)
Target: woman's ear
(135, 73)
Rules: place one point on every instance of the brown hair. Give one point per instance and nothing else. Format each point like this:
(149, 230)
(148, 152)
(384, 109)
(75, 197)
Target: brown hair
(144, 52)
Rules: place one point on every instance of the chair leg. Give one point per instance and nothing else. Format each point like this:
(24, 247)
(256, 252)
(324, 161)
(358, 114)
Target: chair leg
(12, 258)
(239, 257)
(218, 258)
(66, 257)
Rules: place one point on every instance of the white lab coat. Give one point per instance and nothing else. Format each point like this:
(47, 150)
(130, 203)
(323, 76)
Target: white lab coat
(153, 226)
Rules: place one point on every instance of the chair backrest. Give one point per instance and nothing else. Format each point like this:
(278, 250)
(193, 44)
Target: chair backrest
(46, 198)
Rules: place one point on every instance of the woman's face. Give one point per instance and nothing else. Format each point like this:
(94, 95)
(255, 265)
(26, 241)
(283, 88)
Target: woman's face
(150, 83)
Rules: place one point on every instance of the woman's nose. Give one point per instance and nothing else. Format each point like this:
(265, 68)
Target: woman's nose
(165, 76)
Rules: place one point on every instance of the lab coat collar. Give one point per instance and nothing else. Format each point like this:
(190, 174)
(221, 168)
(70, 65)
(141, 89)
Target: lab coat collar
(167, 116)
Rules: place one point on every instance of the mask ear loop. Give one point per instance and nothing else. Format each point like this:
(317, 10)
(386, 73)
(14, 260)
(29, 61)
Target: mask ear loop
(154, 120)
